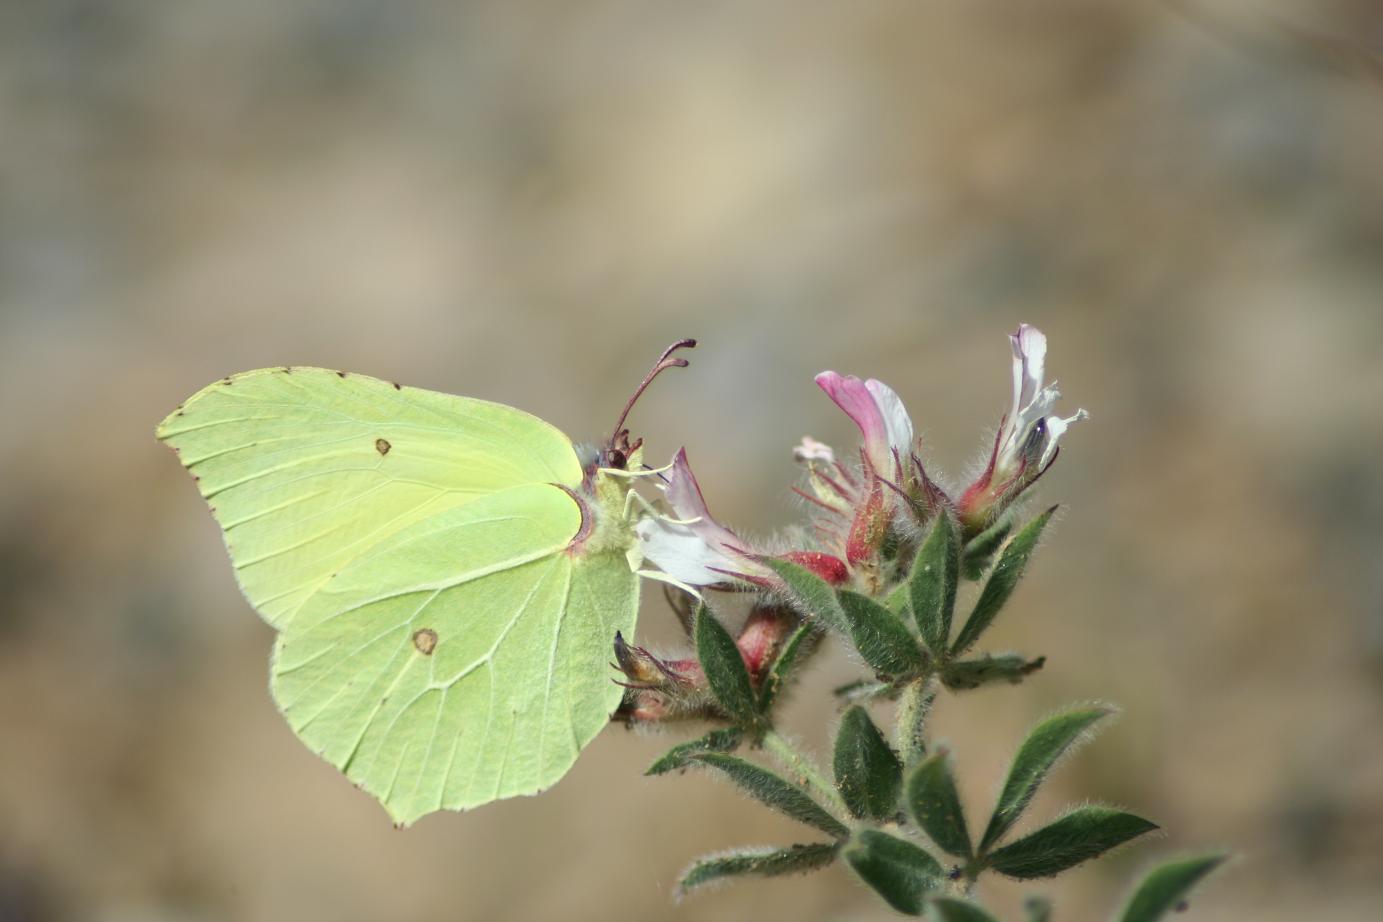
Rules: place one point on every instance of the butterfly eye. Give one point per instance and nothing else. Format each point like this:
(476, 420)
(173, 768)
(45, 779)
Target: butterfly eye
(616, 458)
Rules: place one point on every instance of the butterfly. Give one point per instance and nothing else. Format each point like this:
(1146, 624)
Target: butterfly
(445, 574)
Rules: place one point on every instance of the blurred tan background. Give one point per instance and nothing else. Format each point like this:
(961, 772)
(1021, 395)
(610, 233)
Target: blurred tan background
(525, 202)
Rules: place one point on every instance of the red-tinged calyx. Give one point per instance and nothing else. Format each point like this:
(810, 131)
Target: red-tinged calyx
(827, 566)
(868, 529)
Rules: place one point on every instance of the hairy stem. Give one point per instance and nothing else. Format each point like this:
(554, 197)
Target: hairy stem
(803, 769)
(913, 708)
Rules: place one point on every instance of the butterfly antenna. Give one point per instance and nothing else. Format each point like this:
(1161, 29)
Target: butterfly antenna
(665, 361)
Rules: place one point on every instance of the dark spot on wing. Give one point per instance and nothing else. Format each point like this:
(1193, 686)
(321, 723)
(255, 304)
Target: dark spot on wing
(382, 446)
(397, 386)
(288, 369)
(425, 639)
(340, 374)
(227, 381)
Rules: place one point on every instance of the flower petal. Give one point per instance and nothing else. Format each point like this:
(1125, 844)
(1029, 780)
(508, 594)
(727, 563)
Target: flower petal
(700, 553)
(878, 411)
(682, 554)
(897, 423)
(1029, 361)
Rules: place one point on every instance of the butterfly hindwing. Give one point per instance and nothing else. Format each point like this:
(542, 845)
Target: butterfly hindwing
(464, 659)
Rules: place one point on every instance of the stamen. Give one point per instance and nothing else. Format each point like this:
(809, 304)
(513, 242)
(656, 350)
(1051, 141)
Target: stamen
(813, 500)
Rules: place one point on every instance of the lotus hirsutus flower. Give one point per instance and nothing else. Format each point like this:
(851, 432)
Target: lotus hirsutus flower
(1026, 444)
(878, 410)
(862, 505)
(692, 549)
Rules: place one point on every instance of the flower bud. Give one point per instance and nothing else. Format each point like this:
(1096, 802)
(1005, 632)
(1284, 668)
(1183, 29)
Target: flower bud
(659, 689)
(764, 632)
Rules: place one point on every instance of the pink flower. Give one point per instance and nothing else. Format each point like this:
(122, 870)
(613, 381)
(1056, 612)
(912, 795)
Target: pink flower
(883, 421)
(1026, 444)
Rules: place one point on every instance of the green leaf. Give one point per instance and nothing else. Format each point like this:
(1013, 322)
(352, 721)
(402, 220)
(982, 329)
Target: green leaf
(960, 675)
(868, 774)
(1037, 909)
(897, 600)
(797, 645)
(1007, 572)
(980, 550)
(809, 594)
(725, 670)
(724, 739)
(950, 909)
(862, 690)
(775, 792)
(1166, 886)
(935, 806)
(1047, 742)
(757, 862)
(881, 637)
(1080, 835)
(932, 584)
(897, 870)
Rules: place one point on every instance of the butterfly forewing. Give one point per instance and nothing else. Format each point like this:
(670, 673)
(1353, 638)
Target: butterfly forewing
(307, 469)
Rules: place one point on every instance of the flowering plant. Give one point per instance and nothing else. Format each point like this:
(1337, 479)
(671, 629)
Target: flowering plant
(891, 552)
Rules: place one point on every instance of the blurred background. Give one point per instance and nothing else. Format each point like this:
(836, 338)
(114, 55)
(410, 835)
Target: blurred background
(525, 202)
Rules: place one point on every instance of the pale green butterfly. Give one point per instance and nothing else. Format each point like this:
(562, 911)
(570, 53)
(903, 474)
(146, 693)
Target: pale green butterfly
(446, 574)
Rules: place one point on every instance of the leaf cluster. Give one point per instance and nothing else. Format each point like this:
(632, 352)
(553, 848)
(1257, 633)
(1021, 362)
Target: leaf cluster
(891, 812)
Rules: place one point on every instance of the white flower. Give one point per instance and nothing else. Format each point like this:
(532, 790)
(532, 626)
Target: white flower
(692, 547)
(1027, 441)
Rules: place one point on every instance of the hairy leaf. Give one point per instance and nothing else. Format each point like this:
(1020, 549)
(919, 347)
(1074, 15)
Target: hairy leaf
(797, 645)
(809, 594)
(724, 739)
(950, 909)
(1166, 886)
(960, 675)
(880, 636)
(724, 668)
(935, 806)
(757, 862)
(1085, 833)
(980, 550)
(778, 793)
(897, 870)
(1039, 752)
(1007, 572)
(868, 774)
(932, 583)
